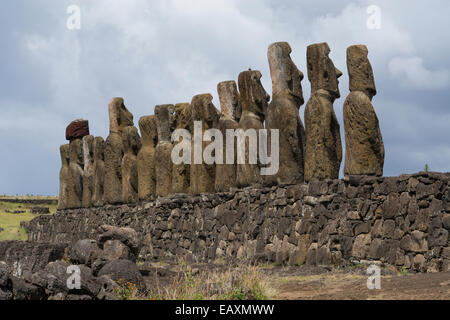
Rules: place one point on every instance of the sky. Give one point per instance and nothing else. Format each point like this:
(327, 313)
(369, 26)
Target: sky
(166, 51)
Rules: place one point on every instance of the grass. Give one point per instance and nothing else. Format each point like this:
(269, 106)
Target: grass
(10, 222)
(242, 283)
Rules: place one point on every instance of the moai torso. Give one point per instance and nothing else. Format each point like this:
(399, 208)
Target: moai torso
(99, 171)
(88, 171)
(64, 178)
(254, 101)
(230, 108)
(202, 175)
(163, 160)
(146, 158)
(119, 119)
(283, 114)
(364, 153)
(181, 172)
(76, 174)
(323, 152)
(131, 145)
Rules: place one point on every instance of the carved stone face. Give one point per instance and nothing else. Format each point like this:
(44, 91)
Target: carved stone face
(285, 74)
(99, 148)
(76, 152)
(183, 115)
(163, 117)
(204, 110)
(149, 131)
(88, 149)
(321, 70)
(119, 116)
(253, 96)
(360, 70)
(229, 99)
(131, 140)
(64, 151)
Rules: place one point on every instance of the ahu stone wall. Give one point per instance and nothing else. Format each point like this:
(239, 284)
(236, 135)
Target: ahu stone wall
(402, 221)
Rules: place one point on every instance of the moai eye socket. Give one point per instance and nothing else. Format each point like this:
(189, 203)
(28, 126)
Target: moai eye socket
(325, 74)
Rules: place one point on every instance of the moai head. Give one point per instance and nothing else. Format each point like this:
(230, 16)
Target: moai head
(183, 116)
(286, 77)
(230, 105)
(253, 96)
(321, 71)
(149, 132)
(360, 70)
(119, 116)
(163, 119)
(131, 140)
(76, 152)
(88, 149)
(65, 155)
(99, 149)
(204, 110)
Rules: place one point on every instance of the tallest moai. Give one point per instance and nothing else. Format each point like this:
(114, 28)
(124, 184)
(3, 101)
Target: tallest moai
(119, 119)
(364, 145)
(283, 114)
(323, 140)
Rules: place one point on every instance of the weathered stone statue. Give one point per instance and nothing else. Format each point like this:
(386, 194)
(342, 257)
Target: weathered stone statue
(283, 114)
(229, 106)
(254, 102)
(181, 172)
(364, 145)
(163, 160)
(146, 158)
(323, 153)
(119, 119)
(88, 171)
(203, 175)
(75, 195)
(64, 178)
(99, 171)
(131, 146)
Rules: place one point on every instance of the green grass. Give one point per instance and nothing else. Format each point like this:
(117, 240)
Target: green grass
(10, 222)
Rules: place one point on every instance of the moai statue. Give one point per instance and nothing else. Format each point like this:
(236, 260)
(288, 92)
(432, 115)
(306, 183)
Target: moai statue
(146, 158)
(283, 114)
(64, 178)
(119, 119)
(202, 175)
(364, 153)
(131, 146)
(181, 172)
(323, 153)
(99, 171)
(163, 155)
(229, 107)
(88, 171)
(75, 195)
(254, 103)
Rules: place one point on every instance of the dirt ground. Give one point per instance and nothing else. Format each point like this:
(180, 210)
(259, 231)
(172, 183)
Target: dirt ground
(352, 285)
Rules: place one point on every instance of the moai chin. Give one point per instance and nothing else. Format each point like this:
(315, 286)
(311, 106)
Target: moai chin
(88, 171)
(146, 158)
(64, 178)
(131, 145)
(283, 114)
(323, 152)
(163, 158)
(254, 102)
(364, 144)
(119, 119)
(230, 109)
(74, 199)
(202, 175)
(181, 172)
(99, 171)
